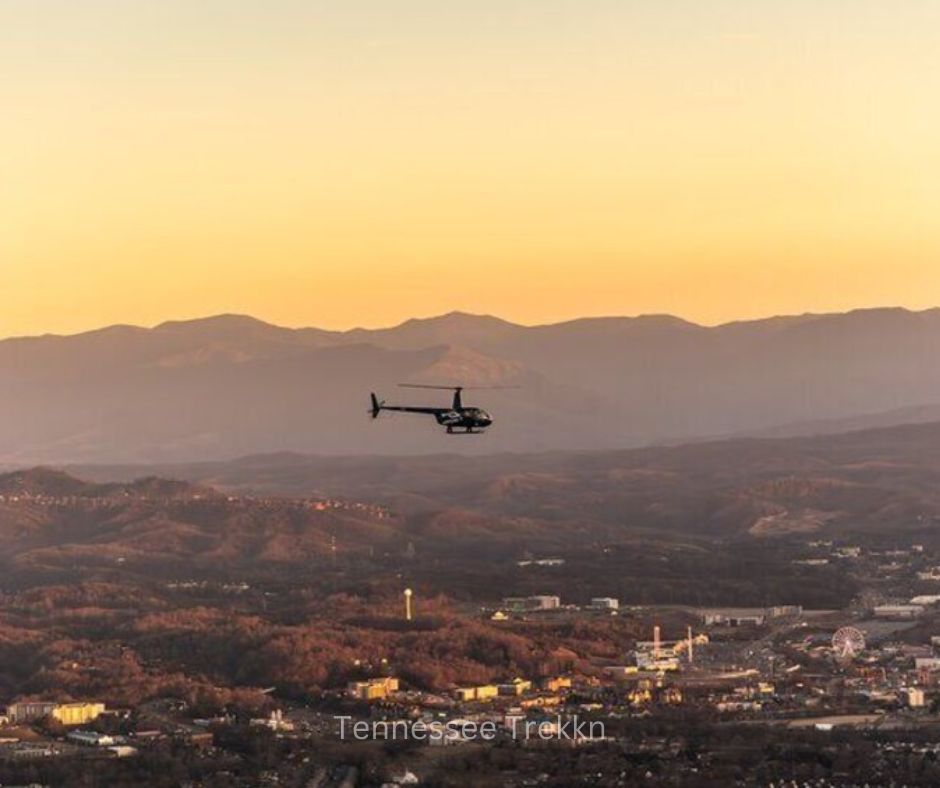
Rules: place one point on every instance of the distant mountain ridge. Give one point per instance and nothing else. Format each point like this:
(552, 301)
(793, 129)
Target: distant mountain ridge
(44, 482)
(882, 482)
(233, 385)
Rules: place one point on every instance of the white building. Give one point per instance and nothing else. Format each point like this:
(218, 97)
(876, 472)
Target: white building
(915, 698)
(90, 738)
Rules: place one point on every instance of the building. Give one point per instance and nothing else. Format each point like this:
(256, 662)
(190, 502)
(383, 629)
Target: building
(372, 689)
(90, 738)
(915, 697)
(515, 687)
(29, 752)
(78, 713)
(785, 611)
(483, 692)
(605, 603)
(557, 684)
(898, 611)
(29, 711)
(66, 713)
(647, 660)
(742, 617)
(528, 604)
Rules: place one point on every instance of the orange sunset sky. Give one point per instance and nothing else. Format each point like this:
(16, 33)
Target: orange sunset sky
(359, 162)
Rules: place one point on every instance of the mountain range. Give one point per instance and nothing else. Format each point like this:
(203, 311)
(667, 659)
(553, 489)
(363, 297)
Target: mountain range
(230, 385)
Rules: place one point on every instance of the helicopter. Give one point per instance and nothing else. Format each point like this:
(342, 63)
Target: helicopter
(459, 419)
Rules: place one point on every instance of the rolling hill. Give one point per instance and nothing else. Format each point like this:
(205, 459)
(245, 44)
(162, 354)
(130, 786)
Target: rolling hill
(879, 482)
(51, 521)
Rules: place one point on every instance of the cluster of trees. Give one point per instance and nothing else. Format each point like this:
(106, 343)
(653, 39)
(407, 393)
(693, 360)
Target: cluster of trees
(127, 645)
(326, 653)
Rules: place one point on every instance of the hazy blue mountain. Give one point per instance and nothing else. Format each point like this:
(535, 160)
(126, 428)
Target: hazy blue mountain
(232, 385)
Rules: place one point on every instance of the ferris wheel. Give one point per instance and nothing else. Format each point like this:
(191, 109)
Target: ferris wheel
(848, 642)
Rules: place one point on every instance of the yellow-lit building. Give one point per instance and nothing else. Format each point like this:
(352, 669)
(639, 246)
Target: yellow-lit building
(483, 692)
(78, 713)
(373, 689)
(557, 684)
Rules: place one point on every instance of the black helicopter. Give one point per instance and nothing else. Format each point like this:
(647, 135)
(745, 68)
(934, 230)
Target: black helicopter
(459, 419)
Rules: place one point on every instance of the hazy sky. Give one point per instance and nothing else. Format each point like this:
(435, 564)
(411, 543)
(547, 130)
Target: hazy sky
(357, 162)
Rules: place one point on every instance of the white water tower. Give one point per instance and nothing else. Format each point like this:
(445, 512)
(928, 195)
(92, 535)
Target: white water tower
(408, 593)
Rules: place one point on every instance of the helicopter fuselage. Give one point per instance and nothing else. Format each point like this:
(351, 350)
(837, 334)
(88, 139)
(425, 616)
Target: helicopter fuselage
(466, 419)
(459, 419)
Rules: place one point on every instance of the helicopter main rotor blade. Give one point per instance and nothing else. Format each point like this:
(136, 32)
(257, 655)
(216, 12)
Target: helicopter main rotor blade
(452, 388)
